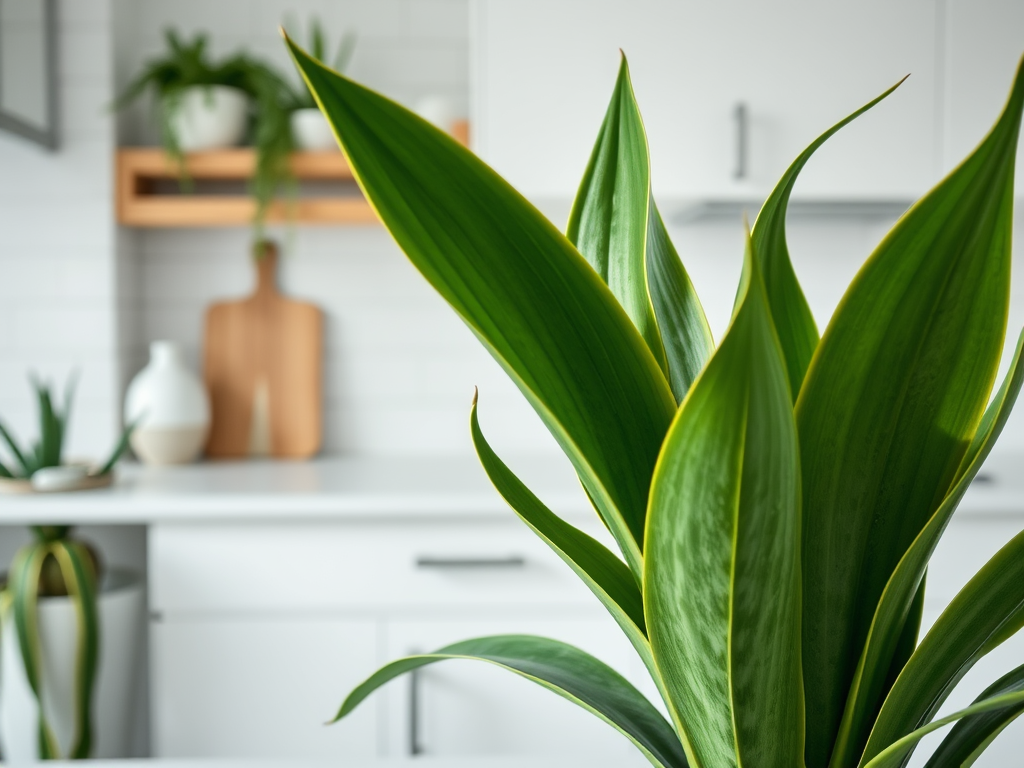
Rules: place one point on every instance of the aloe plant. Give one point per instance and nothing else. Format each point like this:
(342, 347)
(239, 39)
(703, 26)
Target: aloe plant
(54, 564)
(775, 499)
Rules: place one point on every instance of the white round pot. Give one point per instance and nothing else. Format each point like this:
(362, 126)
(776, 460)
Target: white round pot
(171, 407)
(208, 117)
(311, 130)
(121, 616)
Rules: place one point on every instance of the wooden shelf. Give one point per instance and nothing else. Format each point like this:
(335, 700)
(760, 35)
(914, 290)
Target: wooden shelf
(142, 171)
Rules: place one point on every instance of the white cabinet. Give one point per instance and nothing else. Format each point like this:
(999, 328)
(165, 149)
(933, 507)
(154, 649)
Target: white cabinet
(260, 686)
(985, 42)
(543, 73)
(260, 630)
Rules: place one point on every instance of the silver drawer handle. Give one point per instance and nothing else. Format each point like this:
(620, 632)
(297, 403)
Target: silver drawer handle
(425, 561)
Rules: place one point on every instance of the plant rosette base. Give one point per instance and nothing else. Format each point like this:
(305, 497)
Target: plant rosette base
(62, 479)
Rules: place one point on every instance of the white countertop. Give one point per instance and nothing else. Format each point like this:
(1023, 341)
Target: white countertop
(342, 488)
(323, 488)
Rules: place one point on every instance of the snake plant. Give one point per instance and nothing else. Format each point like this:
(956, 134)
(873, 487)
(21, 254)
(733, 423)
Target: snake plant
(54, 564)
(774, 499)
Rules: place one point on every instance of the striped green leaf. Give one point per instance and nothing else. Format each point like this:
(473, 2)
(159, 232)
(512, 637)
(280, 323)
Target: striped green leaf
(523, 289)
(616, 226)
(969, 737)
(892, 398)
(563, 669)
(988, 610)
(76, 569)
(684, 328)
(869, 683)
(608, 222)
(605, 574)
(794, 322)
(721, 573)
(897, 753)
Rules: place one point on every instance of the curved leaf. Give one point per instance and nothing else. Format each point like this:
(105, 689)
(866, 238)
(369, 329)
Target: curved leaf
(76, 568)
(533, 301)
(605, 574)
(868, 688)
(794, 322)
(616, 225)
(897, 753)
(721, 570)
(968, 737)
(988, 610)
(608, 221)
(685, 332)
(562, 668)
(892, 398)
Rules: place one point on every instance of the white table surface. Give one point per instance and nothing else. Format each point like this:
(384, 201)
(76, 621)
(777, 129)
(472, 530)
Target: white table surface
(323, 488)
(340, 488)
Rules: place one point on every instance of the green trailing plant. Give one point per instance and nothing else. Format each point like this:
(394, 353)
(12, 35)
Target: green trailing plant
(775, 499)
(54, 564)
(188, 64)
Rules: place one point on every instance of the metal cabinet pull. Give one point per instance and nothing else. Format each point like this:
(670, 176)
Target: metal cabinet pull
(415, 747)
(742, 130)
(426, 561)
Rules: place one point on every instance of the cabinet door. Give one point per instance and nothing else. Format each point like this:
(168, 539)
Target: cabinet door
(260, 687)
(544, 71)
(985, 44)
(471, 708)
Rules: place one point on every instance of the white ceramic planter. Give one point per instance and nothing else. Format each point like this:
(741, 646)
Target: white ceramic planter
(311, 130)
(121, 616)
(209, 117)
(171, 406)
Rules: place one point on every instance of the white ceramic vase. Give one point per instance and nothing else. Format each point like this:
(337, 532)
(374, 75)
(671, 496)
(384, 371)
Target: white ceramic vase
(121, 614)
(311, 130)
(209, 117)
(171, 406)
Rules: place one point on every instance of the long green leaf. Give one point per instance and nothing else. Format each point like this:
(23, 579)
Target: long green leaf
(868, 688)
(76, 568)
(892, 398)
(533, 301)
(963, 743)
(794, 322)
(608, 222)
(23, 584)
(987, 611)
(897, 753)
(684, 328)
(605, 574)
(616, 226)
(569, 672)
(721, 572)
(26, 467)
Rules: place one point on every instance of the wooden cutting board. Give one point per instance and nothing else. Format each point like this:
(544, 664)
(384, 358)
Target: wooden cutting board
(263, 370)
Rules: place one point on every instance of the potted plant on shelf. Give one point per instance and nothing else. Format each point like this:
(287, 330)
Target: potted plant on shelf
(205, 104)
(62, 693)
(310, 129)
(775, 499)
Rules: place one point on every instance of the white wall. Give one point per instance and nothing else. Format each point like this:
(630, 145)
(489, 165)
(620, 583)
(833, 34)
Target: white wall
(57, 283)
(399, 366)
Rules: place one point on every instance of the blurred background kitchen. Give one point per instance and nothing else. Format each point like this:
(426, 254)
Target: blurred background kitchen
(730, 93)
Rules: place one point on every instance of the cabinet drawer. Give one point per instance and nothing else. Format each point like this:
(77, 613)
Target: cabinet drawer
(296, 567)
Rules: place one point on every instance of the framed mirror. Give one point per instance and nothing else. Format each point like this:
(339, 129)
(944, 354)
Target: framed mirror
(28, 69)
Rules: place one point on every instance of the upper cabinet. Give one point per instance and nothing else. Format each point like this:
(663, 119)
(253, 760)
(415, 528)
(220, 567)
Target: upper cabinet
(730, 91)
(984, 45)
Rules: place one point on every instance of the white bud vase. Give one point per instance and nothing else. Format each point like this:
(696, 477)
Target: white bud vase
(172, 408)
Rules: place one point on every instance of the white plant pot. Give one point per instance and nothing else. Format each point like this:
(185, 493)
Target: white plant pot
(121, 615)
(209, 117)
(311, 130)
(171, 407)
